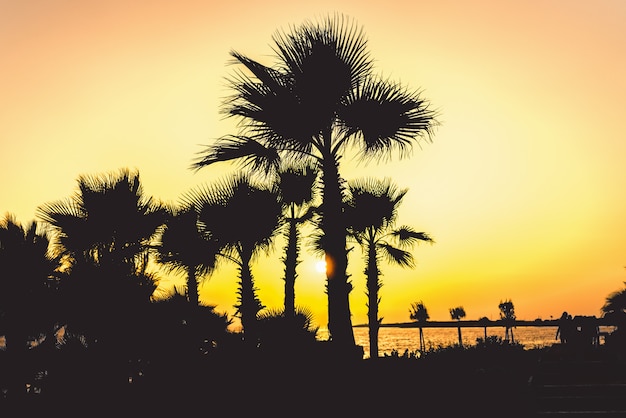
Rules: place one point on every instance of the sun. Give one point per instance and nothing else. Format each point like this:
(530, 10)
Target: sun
(320, 266)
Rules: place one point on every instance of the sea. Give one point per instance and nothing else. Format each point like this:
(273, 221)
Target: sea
(399, 340)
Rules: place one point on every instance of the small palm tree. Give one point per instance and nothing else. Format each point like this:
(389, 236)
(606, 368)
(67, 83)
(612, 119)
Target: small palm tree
(371, 213)
(106, 232)
(507, 314)
(287, 335)
(320, 100)
(614, 310)
(485, 322)
(419, 314)
(184, 248)
(457, 314)
(296, 187)
(615, 305)
(242, 218)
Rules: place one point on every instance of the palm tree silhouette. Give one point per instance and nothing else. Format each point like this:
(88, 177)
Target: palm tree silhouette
(615, 305)
(184, 248)
(242, 218)
(371, 211)
(320, 100)
(106, 233)
(289, 336)
(507, 314)
(614, 310)
(457, 314)
(27, 284)
(419, 313)
(296, 192)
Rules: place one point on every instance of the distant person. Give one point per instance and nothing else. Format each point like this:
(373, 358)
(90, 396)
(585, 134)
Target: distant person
(564, 329)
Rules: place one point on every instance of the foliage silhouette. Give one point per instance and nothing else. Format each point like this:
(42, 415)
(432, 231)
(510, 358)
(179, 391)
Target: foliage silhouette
(27, 297)
(223, 211)
(372, 210)
(183, 247)
(296, 188)
(507, 314)
(320, 100)
(286, 335)
(105, 233)
(457, 314)
(419, 314)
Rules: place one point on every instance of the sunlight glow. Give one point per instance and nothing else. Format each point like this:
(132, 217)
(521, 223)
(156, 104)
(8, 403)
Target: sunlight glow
(320, 266)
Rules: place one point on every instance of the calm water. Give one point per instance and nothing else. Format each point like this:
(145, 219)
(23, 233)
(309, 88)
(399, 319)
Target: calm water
(401, 339)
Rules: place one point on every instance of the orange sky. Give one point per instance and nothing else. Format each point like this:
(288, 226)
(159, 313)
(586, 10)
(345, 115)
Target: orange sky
(523, 188)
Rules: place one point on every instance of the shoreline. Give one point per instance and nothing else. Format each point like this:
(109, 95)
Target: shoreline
(481, 324)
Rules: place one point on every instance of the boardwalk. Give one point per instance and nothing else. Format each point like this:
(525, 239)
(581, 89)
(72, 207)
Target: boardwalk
(574, 382)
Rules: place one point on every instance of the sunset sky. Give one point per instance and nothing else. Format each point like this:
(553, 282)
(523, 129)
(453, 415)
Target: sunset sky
(523, 187)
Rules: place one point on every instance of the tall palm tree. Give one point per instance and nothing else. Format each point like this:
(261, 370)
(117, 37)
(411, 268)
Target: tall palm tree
(27, 282)
(372, 211)
(507, 314)
(457, 314)
(419, 313)
(242, 218)
(184, 248)
(320, 100)
(296, 192)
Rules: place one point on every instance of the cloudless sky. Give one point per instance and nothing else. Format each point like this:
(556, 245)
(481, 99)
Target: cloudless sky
(523, 187)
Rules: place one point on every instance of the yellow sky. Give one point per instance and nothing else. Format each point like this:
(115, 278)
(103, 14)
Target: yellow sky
(523, 188)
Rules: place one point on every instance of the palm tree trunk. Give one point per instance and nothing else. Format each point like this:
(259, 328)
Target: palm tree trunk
(338, 286)
(291, 262)
(250, 304)
(373, 286)
(192, 286)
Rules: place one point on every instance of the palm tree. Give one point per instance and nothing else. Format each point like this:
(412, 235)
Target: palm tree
(419, 313)
(372, 210)
(615, 305)
(242, 218)
(184, 248)
(296, 192)
(507, 314)
(614, 310)
(106, 233)
(27, 283)
(457, 314)
(485, 322)
(320, 100)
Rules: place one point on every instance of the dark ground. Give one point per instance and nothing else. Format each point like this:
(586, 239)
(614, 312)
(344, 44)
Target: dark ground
(488, 382)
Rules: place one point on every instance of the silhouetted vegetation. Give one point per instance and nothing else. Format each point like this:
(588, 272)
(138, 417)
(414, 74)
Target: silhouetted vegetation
(86, 333)
(507, 314)
(372, 210)
(319, 101)
(457, 314)
(419, 314)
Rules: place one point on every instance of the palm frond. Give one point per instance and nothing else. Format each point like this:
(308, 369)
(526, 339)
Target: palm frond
(396, 255)
(407, 236)
(386, 116)
(246, 150)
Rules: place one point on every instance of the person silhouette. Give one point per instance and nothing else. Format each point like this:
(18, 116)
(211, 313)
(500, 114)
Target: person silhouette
(565, 324)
